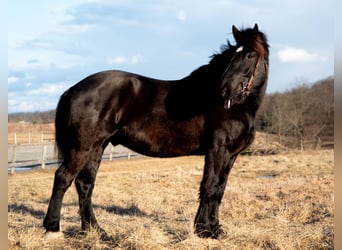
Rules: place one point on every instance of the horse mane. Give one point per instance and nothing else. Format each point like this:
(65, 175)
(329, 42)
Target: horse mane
(255, 41)
(226, 52)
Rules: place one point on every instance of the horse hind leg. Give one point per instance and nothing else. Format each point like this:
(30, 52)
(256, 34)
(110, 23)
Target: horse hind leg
(64, 176)
(84, 182)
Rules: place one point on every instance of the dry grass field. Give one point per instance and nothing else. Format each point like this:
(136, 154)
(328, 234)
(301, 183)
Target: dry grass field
(26, 127)
(30, 133)
(279, 201)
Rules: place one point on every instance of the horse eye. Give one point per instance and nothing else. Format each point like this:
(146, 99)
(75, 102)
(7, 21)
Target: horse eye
(250, 55)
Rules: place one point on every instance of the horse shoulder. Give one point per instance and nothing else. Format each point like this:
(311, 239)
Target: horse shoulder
(234, 130)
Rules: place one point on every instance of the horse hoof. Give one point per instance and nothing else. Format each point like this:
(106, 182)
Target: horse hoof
(203, 232)
(53, 235)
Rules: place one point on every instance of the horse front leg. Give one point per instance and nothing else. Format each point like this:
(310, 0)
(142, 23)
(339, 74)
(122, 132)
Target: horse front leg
(216, 170)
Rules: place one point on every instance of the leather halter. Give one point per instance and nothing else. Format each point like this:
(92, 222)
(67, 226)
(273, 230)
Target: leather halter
(246, 88)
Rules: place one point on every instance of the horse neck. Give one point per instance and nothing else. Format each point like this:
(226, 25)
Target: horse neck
(209, 74)
(219, 62)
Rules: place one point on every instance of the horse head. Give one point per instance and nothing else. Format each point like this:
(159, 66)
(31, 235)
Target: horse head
(248, 67)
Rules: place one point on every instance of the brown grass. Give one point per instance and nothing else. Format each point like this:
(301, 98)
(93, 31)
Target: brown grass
(30, 133)
(151, 203)
(30, 127)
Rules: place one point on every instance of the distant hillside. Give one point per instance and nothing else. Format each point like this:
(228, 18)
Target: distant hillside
(33, 117)
(305, 114)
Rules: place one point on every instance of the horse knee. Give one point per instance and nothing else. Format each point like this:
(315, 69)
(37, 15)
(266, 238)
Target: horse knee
(70, 168)
(62, 180)
(85, 180)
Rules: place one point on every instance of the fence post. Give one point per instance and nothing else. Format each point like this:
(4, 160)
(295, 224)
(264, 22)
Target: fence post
(110, 152)
(14, 156)
(129, 155)
(318, 143)
(44, 156)
(15, 138)
(42, 137)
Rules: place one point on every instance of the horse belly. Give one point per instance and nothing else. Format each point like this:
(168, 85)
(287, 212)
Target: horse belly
(166, 139)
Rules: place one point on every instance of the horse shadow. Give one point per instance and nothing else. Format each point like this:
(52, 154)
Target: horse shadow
(113, 241)
(24, 209)
(132, 210)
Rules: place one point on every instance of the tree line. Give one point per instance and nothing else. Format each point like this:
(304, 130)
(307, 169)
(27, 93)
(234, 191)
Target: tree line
(37, 117)
(303, 114)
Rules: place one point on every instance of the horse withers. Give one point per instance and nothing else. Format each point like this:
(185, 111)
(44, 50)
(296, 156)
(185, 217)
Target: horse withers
(210, 112)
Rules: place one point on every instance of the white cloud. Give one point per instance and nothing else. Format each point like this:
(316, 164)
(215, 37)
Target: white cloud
(124, 60)
(20, 105)
(75, 28)
(28, 84)
(291, 54)
(12, 79)
(21, 102)
(181, 15)
(44, 59)
(48, 89)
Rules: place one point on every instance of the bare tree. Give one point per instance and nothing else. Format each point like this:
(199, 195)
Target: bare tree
(305, 113)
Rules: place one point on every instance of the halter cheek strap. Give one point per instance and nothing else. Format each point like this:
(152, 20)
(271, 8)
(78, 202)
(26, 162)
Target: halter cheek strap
(246, 88)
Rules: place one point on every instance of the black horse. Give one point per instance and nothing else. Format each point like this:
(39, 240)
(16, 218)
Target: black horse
(211, 112)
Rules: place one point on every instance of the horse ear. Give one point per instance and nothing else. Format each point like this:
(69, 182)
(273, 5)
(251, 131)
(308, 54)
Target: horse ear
(256, 28)
(236, 32)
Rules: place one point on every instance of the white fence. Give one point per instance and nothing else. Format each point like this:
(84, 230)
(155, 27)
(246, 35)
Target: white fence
(29, 156)
(30, 138)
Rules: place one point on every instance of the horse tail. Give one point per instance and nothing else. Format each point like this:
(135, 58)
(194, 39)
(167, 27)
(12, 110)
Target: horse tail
(63, 134)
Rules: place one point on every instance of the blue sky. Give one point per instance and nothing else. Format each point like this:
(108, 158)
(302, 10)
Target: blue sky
(54, 44)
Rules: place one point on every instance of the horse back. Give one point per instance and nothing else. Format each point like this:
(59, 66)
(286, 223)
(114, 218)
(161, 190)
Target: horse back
(129, 109)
